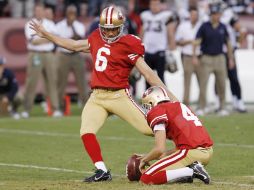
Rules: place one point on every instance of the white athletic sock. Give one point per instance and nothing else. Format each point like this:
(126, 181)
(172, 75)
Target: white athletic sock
(101, 165)
(178, 173)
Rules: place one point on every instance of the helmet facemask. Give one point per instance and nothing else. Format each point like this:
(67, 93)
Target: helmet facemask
(104, 30)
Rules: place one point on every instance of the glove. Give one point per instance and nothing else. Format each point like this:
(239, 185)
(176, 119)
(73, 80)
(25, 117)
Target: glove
(170, 65)
(134, 75)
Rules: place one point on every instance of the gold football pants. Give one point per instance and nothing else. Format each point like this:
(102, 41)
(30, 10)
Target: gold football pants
(104, 102)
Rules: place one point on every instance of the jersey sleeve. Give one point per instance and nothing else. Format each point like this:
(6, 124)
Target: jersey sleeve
(156, 117)
(92, 38)
(136, 49)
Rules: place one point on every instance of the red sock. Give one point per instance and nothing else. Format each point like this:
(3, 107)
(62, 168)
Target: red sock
(158, 178)
(92, 147)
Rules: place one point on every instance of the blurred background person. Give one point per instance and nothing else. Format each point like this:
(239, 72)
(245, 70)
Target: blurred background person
(49, 13)
(68, 61)
(41, 60)
(237, 35)
(4, 8)
(50, 4)
(94, 7)
(212, 36)
(76, 3)
(185, 35)
(154, 34)
(9, 99)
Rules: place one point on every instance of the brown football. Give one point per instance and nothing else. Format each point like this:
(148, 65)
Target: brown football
(132, 168)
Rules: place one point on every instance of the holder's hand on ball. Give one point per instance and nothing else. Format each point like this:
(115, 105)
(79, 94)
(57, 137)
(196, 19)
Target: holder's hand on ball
(142, 165)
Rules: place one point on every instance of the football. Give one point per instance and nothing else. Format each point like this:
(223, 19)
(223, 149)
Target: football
(132, 168)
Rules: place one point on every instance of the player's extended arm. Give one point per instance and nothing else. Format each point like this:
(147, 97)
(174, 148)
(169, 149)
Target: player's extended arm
(39, 41)
(157, 151)
(151, 77)
(73, 45)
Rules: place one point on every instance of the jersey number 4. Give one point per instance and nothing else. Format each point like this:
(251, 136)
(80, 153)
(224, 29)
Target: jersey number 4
(101, 61)
(189, 116)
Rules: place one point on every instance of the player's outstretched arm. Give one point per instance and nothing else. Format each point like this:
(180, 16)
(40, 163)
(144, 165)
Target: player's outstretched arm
(73, 45)
(151, 77)
(156, 152)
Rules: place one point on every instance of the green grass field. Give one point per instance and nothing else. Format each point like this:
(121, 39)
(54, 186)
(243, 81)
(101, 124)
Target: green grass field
(43, 153)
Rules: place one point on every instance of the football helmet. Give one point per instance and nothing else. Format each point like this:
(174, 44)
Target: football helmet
(152, 96)
(111, 19)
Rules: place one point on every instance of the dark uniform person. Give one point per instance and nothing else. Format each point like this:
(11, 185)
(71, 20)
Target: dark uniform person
(8, 91)
(155, 34)
(236, 35)
(212, 35)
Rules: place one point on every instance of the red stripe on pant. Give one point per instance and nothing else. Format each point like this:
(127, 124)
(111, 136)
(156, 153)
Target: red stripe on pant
(133, 101)
(167, 164)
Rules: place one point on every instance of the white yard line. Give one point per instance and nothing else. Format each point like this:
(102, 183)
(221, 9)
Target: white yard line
(43, 168)
(50, 168)
(112, 138)
(233, 184)
(116, 175)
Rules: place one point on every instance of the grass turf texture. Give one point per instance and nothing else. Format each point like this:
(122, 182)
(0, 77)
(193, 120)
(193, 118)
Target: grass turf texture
(46, 153)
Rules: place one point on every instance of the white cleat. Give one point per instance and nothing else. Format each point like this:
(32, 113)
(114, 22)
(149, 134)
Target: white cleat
(25, 115)
(57, 114)
(222, 113)
(241, 107)
(15, 116)
(200, 112)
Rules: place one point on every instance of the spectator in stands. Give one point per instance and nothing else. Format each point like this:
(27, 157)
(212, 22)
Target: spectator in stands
(212, 35)
(40, 61)
(154, 34)
(94, 7)
(185, 35)
(239, 6)
(8, 91)
(76, 3)
(3, 8)
(21, 8)
(50, 4)
(69, 60)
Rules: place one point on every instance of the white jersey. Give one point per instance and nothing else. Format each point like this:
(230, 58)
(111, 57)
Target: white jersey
(155, 31)
(29, 33)
(65, 31)
(186, 31)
